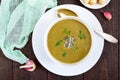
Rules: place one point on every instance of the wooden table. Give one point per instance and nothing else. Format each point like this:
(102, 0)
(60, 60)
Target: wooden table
(107, 68)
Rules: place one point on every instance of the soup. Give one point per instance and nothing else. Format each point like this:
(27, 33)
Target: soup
(69, 41)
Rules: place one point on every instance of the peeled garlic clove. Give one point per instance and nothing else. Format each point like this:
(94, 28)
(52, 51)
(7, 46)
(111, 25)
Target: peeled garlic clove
(92, 2)
(101, 1)
(86, 1)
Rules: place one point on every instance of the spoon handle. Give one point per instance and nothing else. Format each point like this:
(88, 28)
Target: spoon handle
(107, 37)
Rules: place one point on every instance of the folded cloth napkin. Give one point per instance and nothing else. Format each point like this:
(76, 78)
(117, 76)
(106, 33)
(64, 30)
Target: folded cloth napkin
(17, 21)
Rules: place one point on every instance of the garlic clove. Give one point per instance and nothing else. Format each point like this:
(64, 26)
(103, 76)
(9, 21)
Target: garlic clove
(29, 66)
(107, 15)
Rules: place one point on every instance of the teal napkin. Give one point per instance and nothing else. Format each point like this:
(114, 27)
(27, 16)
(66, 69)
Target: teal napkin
(17, 21)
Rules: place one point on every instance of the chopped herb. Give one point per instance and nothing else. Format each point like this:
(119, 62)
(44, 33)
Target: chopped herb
(58, 43)
(67, 32)
(81, 35)
(75, 49)
(64, 54)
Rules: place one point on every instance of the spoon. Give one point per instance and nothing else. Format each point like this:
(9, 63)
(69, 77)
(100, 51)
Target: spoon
(66, 12)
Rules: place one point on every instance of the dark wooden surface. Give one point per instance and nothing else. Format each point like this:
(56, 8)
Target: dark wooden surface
(107, 68)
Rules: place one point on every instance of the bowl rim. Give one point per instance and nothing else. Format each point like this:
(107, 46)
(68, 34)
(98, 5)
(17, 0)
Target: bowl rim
(38, 42)
(60, 19)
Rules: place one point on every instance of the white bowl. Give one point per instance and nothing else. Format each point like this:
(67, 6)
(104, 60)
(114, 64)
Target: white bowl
(49, 28)
(95, 6)
(39, 47)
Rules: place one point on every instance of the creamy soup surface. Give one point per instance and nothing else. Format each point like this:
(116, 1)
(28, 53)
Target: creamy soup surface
(69, 41)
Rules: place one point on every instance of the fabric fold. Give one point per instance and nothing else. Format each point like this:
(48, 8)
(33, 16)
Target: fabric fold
(17, 22)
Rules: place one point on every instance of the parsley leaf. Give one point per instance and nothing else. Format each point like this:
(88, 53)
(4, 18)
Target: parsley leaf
(75, 49)
(64, 54)
(58, 43)
(67, 32)
(81, 35)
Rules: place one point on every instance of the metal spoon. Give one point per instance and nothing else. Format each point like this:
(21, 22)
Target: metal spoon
(63, 12)
(66, 12)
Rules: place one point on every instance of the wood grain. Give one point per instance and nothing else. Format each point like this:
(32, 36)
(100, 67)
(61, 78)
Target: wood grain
(107, 68)
(6, 70)
(119, 39)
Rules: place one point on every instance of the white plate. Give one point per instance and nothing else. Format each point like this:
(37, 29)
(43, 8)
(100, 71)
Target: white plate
(96, 6)
(48, 63)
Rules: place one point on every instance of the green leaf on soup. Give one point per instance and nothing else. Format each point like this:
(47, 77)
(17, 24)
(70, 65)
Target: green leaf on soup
(58, 43)
(64, 54)
(66, 31)
(81, 35)
(75, 49)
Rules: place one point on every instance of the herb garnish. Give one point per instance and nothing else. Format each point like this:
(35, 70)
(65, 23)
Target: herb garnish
(66, 31)
(81, 35)
(64, 54)
(58, 43)
(75, 48)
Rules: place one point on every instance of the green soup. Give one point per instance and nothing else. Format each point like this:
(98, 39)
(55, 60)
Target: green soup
(69, 41)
